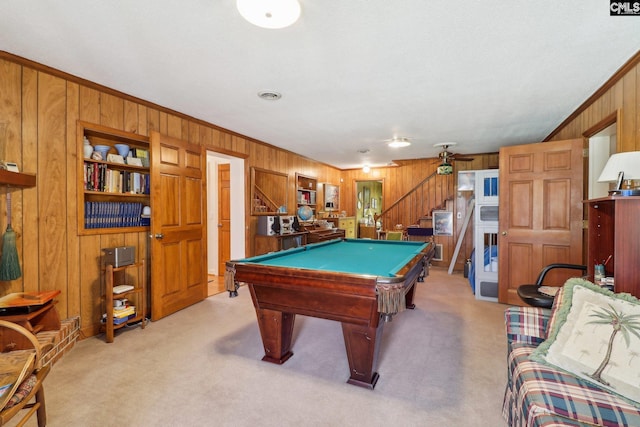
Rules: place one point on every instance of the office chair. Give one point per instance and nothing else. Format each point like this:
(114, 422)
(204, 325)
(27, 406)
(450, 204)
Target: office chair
(395, 235)
(531, 293)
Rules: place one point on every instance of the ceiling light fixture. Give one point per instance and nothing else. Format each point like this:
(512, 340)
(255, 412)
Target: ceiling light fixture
(399, 142)
(271, 14)
(366, 169)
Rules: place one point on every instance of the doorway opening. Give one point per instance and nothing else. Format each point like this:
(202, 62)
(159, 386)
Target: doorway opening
(368, 205)
(236, 228)
(601, 146)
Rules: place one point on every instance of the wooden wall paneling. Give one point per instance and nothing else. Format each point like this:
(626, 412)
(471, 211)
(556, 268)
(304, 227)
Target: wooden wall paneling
(185, 135)
(225, 140)
(130, 117)
(235, 142)
(31, 215)
(172, 125)
(241, 145)
(194, 133)
(627, 137)
(11, 115)
(162, 123)
(637, 109)
(89, 105)
(111, 111)
(10, 110)
(142, 127)
(92, 287)
(217, 137)
(588, 116)
(153, 120)
(606, 104)
(52, 155)
(205, 136)
(133, 239)
(72, 288)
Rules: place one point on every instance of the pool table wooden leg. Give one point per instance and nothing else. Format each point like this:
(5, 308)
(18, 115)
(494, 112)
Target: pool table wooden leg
(276, 329)
(408, 298)
(362, 344)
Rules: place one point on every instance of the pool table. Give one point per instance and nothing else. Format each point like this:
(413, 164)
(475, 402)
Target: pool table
(359, 282)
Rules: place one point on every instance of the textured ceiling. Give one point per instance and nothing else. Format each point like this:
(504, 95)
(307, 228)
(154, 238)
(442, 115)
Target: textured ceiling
(352, 73)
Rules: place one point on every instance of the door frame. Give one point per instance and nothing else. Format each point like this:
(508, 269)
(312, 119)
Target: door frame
(238, 213)
(601, 138)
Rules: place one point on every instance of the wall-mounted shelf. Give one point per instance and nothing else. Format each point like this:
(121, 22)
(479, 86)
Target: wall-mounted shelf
(16, 180)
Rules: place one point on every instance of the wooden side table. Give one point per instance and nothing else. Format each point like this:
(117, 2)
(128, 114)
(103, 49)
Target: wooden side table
(34, 311)
(367, 232)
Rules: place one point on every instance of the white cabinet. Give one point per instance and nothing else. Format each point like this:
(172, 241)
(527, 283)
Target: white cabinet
(486, 234)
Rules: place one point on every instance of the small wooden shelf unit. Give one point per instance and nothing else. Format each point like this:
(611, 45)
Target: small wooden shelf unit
(138, 293)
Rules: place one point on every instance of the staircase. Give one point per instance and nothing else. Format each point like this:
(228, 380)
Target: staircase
(416, 206)
(262, 202)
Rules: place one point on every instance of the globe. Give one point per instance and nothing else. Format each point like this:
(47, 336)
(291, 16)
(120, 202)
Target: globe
(305, 213)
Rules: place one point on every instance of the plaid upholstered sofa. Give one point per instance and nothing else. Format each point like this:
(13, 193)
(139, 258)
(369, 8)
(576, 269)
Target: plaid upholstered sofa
(541, 395)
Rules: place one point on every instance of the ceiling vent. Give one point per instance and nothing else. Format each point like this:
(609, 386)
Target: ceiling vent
(269, 95)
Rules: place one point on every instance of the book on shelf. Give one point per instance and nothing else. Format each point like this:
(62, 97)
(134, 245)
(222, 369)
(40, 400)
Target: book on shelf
(100, 177)
(122, 288)
(112, 214)
(126, 311)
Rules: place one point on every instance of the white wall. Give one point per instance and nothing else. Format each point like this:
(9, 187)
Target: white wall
(601, 147)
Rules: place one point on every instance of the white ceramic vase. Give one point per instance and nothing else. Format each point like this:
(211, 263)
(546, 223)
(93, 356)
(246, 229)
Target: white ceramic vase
(88, 149)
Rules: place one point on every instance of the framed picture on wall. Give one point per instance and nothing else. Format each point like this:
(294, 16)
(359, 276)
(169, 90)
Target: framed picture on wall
(442, 223)
(332, 195)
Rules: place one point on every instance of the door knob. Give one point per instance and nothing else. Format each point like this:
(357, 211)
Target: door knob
(504, 233)
(159, 236)
(219, 225)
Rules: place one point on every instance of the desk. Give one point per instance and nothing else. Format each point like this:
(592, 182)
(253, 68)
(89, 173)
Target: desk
(357, 282)
(279, 242)
(321, 235)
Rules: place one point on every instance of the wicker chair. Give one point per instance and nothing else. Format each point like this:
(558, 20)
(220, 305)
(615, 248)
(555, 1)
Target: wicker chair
(22, 375)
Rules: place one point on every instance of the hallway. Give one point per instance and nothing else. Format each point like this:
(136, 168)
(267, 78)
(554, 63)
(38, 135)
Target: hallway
(215, 285)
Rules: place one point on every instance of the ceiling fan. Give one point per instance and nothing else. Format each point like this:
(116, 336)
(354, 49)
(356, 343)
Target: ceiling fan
(446, 157)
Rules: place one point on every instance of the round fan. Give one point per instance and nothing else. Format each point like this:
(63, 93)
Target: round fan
(446, 157)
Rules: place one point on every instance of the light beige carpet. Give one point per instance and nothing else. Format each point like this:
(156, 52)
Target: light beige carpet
(442, 364)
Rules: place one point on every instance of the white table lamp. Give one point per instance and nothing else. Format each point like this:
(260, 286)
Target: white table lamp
(622, 166)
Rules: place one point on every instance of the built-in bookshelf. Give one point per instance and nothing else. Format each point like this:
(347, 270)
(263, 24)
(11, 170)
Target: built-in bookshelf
(306, 194)
(112, 189)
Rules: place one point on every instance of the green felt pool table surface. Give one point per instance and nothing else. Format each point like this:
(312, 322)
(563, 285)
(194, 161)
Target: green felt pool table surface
(354, 256)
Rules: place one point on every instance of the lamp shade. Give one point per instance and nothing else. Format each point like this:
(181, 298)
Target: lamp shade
(272, 14)
(628, 163)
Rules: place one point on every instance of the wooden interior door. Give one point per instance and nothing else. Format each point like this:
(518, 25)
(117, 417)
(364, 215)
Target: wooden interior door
(178, 225)
(224, 216)
(540, 213)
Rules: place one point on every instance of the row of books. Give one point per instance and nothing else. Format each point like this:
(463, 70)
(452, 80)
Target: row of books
(112, 214)
(124, 311)
(121, 314)
(100, 177)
